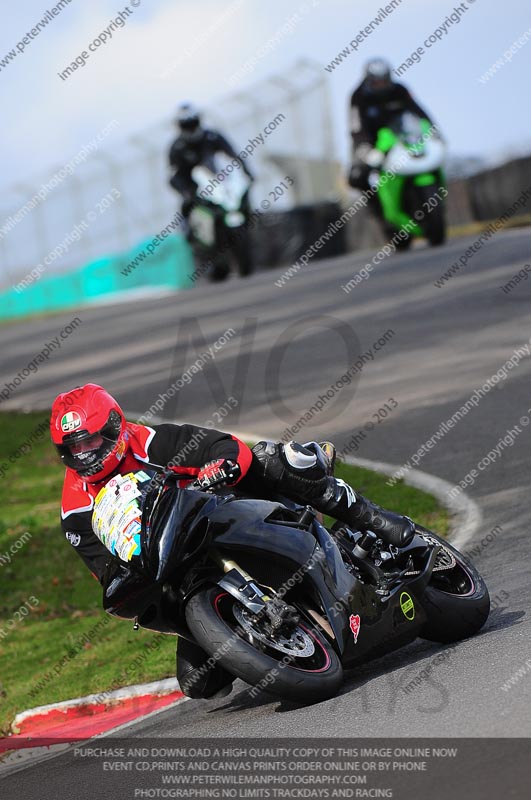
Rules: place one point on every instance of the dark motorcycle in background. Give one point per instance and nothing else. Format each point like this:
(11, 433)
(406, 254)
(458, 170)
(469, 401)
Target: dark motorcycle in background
(218, 221)
(264, 588)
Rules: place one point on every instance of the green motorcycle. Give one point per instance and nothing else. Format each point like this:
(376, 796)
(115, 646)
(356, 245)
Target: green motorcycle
(408, 180)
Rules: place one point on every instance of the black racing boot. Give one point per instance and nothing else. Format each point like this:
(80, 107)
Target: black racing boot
(340, 501)
(196, 677)
(304, 473)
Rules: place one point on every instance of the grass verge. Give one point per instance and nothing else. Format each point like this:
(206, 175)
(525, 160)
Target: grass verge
(55, 641)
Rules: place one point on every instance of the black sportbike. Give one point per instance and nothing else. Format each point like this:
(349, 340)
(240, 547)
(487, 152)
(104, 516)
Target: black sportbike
(279, 600)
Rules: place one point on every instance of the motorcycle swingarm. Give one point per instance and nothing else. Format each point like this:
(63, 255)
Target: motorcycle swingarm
(417, 584)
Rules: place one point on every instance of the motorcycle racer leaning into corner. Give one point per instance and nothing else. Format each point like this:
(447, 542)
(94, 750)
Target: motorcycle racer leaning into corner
(95, 442)
(373, 105)
(195, 145)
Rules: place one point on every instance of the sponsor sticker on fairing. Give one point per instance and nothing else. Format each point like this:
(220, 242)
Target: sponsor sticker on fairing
(407, 605)
(142, 476)
(355, 624)
(116, 516)
(70, 422)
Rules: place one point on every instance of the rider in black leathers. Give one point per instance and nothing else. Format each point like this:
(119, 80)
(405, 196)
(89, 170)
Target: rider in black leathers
(373, 104)
(195, 145)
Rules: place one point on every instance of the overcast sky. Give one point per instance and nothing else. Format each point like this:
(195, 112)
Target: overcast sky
(135, 79)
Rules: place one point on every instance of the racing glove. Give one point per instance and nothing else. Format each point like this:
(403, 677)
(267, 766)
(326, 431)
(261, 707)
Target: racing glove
(220, 472)
(374, 158)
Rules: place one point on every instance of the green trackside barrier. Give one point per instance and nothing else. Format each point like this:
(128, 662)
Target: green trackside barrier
(169, 266)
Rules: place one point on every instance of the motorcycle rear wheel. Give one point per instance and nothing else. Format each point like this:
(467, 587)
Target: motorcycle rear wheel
(223, 627)
(456, 601)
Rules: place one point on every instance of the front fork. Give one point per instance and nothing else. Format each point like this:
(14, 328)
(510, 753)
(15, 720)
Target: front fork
(390, 195)
(240, 584)
(277, 616)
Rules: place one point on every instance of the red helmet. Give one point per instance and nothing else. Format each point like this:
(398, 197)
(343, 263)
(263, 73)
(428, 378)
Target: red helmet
(89, 429)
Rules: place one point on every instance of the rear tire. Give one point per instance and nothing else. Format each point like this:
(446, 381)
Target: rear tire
(211, 618)
(456, 602)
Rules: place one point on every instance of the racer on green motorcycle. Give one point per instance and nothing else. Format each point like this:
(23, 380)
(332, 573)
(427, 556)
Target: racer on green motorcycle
(373, 104)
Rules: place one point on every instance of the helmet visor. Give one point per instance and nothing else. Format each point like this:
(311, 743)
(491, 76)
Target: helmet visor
(86, 452)
(189, 124)
(378, 75)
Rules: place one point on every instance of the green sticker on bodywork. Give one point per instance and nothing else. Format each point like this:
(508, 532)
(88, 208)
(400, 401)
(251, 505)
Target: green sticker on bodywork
(426, 179)
(407, 606)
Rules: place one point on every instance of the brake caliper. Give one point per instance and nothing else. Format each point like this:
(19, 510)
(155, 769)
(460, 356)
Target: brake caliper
(282, 618)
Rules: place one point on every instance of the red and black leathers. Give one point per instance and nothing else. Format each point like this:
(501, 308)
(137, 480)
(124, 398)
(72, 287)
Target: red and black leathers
(269, 470)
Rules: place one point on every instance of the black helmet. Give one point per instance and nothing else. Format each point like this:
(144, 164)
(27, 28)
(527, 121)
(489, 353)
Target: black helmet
(378, 75)
(189, 122)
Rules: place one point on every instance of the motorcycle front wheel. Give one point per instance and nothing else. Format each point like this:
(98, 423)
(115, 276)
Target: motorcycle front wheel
(241, 250)
(302, 666)
(434, 222)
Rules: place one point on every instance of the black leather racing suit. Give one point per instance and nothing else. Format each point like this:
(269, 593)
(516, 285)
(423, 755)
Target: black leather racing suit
(370, 111)
(185, 155)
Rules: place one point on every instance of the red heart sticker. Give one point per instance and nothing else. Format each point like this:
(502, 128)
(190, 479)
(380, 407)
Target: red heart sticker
(355, 625)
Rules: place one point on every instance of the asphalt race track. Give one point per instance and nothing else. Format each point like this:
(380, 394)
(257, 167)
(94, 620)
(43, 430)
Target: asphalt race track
(446, 342)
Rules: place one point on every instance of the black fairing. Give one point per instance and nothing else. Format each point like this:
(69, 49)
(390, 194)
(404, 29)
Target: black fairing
(384, 625)
(254, 540)
(248, 531)
(266, 539)
(174, 530)
(125, 591)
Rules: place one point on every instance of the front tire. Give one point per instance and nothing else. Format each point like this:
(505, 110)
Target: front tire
(223, 627)
(456, 601)
(241, 250)
(401, 242)
(434, 222)
(219, 271)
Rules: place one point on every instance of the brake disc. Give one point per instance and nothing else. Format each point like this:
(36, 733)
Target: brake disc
(299, 644)
(445, 558)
